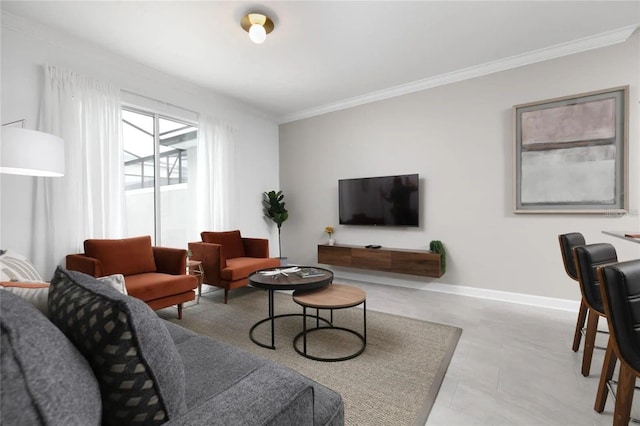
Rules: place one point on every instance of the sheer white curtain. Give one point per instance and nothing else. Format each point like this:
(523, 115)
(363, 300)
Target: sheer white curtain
(215, 184)
(88, 202)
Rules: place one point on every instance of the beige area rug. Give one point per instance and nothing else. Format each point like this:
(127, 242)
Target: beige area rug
(393, 382)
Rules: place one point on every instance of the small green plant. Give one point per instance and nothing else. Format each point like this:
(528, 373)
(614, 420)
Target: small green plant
(274, 209)
(437, 247)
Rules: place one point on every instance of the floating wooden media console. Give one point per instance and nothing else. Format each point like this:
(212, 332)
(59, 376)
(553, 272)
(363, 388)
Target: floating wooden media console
(412, 262)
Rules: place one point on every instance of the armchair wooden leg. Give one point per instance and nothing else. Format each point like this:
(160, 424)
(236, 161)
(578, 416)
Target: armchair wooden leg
(179, 311)
(624, 396)
(608, 366)
(589, 341)
(226, 295)
(582, 316)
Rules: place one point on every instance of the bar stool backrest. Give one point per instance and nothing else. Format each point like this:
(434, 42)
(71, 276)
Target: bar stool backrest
(588, 258)
(567, 243)
(621, 294)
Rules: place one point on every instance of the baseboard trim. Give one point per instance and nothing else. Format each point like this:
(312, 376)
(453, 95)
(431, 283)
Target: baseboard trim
(481, 293)
(505, 296)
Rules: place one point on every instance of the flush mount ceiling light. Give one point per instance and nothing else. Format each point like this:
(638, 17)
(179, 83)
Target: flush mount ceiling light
(257, 25)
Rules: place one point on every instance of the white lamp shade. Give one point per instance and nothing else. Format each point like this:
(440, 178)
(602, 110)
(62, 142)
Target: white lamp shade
(31, 153)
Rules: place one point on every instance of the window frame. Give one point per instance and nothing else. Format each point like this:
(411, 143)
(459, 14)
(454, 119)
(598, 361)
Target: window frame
(156, 115)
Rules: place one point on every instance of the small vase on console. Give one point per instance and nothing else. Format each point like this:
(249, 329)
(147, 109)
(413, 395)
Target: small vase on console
(329, 230)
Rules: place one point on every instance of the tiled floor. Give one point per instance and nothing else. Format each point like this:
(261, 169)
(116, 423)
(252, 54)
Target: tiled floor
(513, 364)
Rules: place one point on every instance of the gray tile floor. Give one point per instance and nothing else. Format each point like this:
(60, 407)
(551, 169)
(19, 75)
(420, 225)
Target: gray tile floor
(513, 364)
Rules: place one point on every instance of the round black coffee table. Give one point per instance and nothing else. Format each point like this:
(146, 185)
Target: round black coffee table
(285, 281)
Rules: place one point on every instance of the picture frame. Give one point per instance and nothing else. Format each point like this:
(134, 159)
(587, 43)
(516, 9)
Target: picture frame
(570, 154)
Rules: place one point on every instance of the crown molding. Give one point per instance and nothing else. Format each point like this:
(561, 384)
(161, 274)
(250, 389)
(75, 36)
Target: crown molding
(605, 39)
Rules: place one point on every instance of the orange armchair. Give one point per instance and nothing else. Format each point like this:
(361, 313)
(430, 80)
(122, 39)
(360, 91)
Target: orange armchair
(228, 259)
(155, 275)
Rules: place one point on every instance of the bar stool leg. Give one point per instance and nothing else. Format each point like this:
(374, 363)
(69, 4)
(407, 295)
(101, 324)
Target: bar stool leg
(582, 316)
(608, 366)
(589, 341)
(624, 397)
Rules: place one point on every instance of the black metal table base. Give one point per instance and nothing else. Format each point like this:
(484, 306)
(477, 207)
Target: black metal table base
(272, 346)
(305, 332)
(272, 318)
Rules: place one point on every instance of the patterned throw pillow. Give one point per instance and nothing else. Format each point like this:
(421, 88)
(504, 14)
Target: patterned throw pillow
(137, 365)
(35, 293)
(16, 267)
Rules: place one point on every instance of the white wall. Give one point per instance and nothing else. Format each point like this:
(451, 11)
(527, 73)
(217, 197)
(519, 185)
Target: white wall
(27, 46)
(458, 137)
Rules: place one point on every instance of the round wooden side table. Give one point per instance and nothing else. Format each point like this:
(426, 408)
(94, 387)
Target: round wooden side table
(334, 296)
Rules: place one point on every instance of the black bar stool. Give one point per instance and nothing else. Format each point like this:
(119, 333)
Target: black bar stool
(567, 243)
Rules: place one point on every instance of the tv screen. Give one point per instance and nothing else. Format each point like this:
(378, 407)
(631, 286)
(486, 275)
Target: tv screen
(382, 201)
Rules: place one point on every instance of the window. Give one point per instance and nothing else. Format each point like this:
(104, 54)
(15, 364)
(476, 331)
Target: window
(157, 153)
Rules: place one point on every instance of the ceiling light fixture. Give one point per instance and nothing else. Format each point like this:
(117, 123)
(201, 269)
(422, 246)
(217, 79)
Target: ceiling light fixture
(257, 25)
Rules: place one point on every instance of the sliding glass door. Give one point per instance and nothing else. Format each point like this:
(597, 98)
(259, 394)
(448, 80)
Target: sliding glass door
(158, 152)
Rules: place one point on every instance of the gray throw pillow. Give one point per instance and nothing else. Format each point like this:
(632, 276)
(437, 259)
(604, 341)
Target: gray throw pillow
(44, 379)
(137, 365)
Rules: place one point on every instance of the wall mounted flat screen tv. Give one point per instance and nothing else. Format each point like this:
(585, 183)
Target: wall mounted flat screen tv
(380, 201)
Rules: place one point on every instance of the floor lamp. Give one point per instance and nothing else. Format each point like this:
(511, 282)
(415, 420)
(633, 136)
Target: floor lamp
(31, 153)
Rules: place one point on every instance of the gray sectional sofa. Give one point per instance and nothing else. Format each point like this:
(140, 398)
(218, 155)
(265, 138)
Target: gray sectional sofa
(106, 358)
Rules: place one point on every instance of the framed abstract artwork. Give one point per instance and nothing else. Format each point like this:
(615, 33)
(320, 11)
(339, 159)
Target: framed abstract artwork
(571, 154)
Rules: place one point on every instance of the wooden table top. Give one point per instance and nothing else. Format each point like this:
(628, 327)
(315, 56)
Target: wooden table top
(335, 296)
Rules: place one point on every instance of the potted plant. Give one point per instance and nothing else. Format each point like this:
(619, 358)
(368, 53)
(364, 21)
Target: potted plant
(437, 247)
(274, 209)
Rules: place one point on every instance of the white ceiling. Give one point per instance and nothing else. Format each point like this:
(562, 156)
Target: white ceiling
(323, 55)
